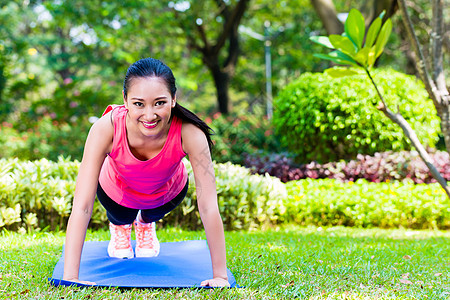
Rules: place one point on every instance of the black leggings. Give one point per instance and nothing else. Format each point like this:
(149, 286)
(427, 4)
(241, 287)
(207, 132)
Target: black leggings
(121, 215)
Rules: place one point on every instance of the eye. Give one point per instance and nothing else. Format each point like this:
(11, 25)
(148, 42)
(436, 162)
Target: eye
(158, 103)
(138, 104)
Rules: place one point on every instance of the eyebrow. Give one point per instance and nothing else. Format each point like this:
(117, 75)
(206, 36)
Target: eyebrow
(156, 99)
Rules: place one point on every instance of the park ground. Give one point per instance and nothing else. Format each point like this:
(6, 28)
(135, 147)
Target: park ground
(281, 263)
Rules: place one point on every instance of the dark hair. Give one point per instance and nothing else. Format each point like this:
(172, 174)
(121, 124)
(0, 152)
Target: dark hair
(151, 67)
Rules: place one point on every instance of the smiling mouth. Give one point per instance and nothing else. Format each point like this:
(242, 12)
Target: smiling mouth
(149, 124)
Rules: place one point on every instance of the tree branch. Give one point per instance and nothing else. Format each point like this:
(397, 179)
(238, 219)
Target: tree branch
(192, 43)
(231, 24)
(411, 135)
(201, 31)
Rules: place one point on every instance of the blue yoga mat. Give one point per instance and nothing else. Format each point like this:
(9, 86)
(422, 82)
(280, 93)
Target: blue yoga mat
(178, 265)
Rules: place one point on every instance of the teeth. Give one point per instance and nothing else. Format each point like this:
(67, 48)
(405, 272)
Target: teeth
(149, 124)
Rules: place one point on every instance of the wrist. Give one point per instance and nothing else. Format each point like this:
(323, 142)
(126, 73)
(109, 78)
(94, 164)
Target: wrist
(224, 277)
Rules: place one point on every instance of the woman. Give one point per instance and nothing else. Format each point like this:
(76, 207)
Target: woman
(132, 160)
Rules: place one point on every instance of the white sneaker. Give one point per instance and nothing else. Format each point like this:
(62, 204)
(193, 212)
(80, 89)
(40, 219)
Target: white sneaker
(147, 244)
(120, 244)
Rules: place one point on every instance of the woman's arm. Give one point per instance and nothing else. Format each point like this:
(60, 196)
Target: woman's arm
(196, 146)
(98, 144)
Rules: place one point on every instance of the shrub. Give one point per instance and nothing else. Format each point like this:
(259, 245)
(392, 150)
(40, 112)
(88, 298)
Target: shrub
(48, 138)
(385, 166)
(40, 194)
(323, 119)
(236, 135)
(329, 202)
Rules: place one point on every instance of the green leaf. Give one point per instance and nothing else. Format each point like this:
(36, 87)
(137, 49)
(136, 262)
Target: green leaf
(383, 37)
(344, 57)
(344, 44)
(355, 27)
(336, 73)
(373, 32)
(328, 57)
(337, 57)
(322, 40)
(371, 57)
(362, 56)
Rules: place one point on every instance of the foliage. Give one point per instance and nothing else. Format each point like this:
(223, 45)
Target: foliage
(381, 167)
(45, 189)
(326, 119)
(354, 47)
(364, 204)
(291, 53)
(40, 193)
(236, 135)
(282, 263)
(47, 138)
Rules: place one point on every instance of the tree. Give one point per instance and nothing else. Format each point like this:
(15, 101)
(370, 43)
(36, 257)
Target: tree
(356, 48)
(327, 13)
(223, 33)
(432, 76)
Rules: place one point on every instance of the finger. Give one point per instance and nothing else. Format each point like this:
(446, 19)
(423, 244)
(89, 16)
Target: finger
(204, 283)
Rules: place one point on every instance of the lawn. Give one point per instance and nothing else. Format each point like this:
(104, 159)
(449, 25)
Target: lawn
(282, 263)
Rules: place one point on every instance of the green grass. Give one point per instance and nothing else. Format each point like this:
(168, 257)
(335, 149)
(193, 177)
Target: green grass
(283, 263)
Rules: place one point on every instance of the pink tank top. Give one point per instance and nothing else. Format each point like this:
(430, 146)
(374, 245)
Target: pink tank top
(141, 184)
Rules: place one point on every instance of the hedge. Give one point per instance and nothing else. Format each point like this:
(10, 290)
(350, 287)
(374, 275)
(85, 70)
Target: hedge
(39, 194)
(331, 202)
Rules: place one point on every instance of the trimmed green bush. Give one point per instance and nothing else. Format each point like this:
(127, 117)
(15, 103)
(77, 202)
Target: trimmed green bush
(40, 194)
(326, 119)
(330, 202)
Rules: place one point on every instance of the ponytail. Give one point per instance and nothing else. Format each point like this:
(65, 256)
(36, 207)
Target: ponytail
(188, 116)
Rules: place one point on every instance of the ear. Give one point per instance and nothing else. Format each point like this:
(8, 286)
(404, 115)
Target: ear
(174, 101)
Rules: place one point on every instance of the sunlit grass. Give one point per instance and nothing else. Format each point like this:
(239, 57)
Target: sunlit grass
(283, 263)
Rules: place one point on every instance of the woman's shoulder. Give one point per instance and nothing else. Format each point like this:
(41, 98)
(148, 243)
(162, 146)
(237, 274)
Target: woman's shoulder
(190, 129)
(193, 138)
(104, 125)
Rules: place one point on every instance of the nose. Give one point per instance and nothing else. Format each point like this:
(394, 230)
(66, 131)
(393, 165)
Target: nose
(149, 113)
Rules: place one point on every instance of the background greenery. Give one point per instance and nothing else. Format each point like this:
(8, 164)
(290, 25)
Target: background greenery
(40, 193)
(325, 119)
(62, 63)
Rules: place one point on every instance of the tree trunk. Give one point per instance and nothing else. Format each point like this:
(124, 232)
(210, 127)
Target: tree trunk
(389, 6)
(212, 51)
(327, 14)
(221, 80)
(445, 125)
(434, 81)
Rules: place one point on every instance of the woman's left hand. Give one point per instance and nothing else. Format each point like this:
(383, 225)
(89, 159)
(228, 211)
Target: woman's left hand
(216, 282)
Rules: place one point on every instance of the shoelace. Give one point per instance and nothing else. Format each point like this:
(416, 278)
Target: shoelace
(146, 235)
(122, 238)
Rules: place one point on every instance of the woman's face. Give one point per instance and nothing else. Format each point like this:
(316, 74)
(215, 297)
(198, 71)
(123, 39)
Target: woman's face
(149, 105)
